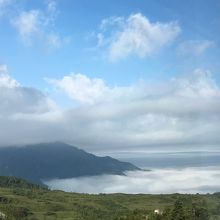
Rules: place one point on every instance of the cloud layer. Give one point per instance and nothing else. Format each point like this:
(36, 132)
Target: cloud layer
(185, 110)
(24, 112)
(188, 180)
(181, 112)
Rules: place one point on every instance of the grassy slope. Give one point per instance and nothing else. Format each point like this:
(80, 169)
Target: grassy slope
(45, 204)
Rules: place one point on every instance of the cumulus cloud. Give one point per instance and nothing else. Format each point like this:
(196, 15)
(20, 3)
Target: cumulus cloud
(195, 47)
(85, 90)
(80, 87)
(5, 80)
(188, 180)
(135, 35)
(181, 112)
(18, 99)
(36, 25)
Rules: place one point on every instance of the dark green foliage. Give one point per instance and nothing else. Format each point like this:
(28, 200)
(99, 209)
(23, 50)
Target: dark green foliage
(201, 213)
(13, 212)
(4, 200)
(178, 212)
(14, 182)
(56, 160)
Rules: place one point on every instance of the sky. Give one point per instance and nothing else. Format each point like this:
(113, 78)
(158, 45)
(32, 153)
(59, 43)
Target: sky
(110, 76)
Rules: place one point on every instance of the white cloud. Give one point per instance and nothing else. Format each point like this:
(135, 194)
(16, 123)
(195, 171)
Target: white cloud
(199, 84)
(135, 35)
(36, 25)
(5, 80)
(83, 89)
(28, 24)
(80, 87)
(195, 47)
(188, 180)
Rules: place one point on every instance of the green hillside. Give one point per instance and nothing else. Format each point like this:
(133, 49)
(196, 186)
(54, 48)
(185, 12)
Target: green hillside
(36, 203)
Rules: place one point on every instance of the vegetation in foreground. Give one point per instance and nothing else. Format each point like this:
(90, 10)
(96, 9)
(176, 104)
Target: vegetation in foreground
(21, 200)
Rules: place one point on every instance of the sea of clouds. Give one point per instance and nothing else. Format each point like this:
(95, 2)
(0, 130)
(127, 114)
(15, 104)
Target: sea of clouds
(183, 180)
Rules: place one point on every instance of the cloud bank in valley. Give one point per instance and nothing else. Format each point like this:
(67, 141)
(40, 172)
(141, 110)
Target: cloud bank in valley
(183, 111)
(188, 180)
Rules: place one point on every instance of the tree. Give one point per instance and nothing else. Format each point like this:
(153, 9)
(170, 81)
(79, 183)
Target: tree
(178, 211)
(201, 213)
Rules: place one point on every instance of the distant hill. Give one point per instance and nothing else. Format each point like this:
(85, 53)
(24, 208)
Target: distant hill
(56, 160)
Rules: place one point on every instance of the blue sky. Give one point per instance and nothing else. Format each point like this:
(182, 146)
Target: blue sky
(110, 75)
(78, 22)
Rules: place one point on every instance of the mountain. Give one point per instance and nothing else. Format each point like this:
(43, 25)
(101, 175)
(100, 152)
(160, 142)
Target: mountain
(56, 160)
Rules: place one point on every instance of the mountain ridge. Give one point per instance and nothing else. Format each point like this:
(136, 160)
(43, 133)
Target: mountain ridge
(37, 162)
